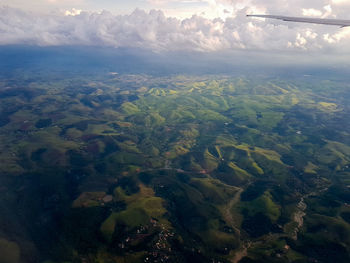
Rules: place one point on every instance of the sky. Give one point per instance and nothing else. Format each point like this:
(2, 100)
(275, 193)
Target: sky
(167, 25)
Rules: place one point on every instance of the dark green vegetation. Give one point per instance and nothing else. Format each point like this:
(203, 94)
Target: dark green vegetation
(133, 168)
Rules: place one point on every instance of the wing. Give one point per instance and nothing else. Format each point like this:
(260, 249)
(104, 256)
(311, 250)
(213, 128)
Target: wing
(333, 22)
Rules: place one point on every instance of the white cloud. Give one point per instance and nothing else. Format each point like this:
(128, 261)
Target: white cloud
(73, 12)
(340, 2)
(153, 30)
(312, 12)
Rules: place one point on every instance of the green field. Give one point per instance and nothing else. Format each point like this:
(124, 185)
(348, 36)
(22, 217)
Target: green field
(137, 168)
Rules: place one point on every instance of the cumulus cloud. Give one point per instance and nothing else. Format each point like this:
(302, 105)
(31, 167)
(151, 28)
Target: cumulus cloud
(339, 8)
(153, 30)
(73, 12)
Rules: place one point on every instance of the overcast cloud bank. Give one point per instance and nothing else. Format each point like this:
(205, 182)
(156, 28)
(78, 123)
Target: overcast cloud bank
(153, 30)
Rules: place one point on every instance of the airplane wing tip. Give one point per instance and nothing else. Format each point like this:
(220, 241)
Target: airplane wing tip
(333, 22)
(256, 15)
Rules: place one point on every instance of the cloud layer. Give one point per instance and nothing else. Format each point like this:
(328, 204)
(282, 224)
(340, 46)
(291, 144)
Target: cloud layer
(153, 30)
